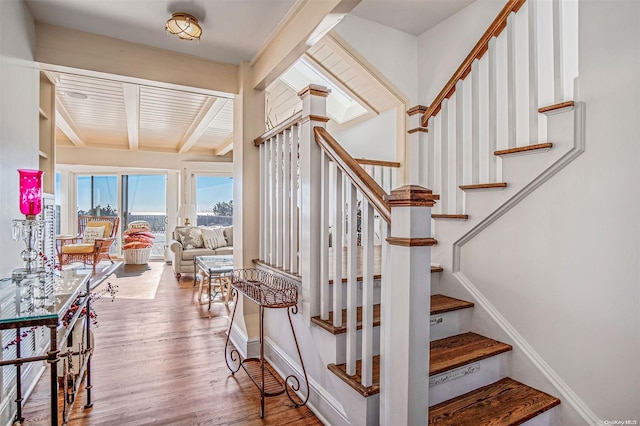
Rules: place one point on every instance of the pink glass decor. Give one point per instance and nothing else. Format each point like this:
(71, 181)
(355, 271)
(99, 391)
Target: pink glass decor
(30, 192)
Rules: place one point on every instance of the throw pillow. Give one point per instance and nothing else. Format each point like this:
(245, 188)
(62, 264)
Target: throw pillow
(91, 233)
(213, 238)
(228, 234)
(190, 237)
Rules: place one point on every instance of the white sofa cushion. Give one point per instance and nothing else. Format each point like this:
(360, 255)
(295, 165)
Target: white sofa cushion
(213, 237)
(190, 237)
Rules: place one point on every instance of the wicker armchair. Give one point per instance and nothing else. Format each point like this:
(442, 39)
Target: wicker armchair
(89, 247)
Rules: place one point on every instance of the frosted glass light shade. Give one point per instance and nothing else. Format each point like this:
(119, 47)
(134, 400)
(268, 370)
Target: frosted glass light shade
(184, 26)
(30, 191)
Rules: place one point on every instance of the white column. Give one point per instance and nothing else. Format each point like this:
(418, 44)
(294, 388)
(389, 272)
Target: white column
(314, 99)
(404, 384)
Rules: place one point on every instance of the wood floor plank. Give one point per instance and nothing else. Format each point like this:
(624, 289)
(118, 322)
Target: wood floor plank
(161, 361)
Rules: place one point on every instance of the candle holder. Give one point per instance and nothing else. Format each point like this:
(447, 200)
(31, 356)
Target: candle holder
(29, 229)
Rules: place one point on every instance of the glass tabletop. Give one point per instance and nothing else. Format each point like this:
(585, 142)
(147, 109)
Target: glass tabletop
(216, 264)
(27, 299)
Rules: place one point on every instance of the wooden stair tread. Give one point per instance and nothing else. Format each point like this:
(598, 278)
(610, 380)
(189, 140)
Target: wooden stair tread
(449, 216)
(477, 348)
(355, 380)
(528, 148)
(439, 304)
(456, 351)
(503, 403)
(556, 107)
(483, 186)
(328, 324)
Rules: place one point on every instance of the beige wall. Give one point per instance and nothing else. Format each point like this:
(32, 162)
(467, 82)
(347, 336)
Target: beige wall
(18, 118)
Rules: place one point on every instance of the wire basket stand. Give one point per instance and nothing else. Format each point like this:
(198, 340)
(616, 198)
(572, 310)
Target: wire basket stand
(267, 291)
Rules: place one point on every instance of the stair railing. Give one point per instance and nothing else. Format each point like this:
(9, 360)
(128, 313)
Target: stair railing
(279, 195)
(525, 60)
(351, 200)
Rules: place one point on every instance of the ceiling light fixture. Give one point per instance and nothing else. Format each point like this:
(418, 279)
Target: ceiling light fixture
(76, 95)
(184, 26)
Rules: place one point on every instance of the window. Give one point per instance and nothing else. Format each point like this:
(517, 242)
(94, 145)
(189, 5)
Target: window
(214, 199)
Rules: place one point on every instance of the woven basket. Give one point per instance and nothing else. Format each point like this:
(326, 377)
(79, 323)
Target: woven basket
(137, 256)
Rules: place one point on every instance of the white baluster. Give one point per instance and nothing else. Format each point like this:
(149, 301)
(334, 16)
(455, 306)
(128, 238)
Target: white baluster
(475, 123)
(263, 201)
(295, 179)
(277, 200)
(352, 277)
(444, 157)
(431, 157)
(511, 82)
(459, 161)
(324, 241)
(272, 208)
(558, 72)
(493, 112)
(286, 212)
(337, 249)
(532, 25)
(367, 293)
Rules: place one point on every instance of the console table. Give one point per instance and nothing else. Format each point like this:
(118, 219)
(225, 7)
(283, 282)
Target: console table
(34, 308)
(267, 291)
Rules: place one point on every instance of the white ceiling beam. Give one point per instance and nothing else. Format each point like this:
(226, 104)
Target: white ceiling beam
(131, 94)
(66, 124)
(206, 115)
(306, 23)
(225, 146)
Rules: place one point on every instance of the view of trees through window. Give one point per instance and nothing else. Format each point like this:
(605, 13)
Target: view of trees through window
(214, 200)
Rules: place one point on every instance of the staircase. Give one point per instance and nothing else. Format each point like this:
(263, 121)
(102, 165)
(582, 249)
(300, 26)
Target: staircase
(467, 380)
(360, 282)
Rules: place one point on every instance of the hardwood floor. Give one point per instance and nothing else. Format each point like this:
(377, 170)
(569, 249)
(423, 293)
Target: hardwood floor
(161, 361)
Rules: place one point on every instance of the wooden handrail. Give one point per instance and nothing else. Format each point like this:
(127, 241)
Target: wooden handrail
(477, 52)
(360, 178)
(285, 125)
(378, 162)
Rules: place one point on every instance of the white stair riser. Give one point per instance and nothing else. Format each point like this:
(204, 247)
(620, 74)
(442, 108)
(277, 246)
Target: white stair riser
(454, 322)
(341, 341)
(489, 370)
(376, 293)
(545, 419)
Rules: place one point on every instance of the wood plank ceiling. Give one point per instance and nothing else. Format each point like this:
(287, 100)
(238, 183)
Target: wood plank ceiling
(130, 117)
(333, 58)
(126, 116)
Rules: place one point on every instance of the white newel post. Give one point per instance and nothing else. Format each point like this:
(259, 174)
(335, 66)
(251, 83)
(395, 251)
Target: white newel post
(314, 100)
(417, 143)
(404, 375)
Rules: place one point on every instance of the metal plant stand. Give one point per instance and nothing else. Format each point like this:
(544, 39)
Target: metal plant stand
(267, 291)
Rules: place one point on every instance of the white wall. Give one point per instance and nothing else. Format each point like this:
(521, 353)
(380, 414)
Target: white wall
(374, 139)
(390, 51)
(562, 266)
(442, 49)
(19, 94)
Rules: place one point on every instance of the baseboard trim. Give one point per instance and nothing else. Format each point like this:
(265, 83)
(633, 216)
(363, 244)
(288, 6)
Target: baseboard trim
(285, 365)
(247, 347)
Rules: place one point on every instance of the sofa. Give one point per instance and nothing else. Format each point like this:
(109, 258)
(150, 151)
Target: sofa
(190, 241)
